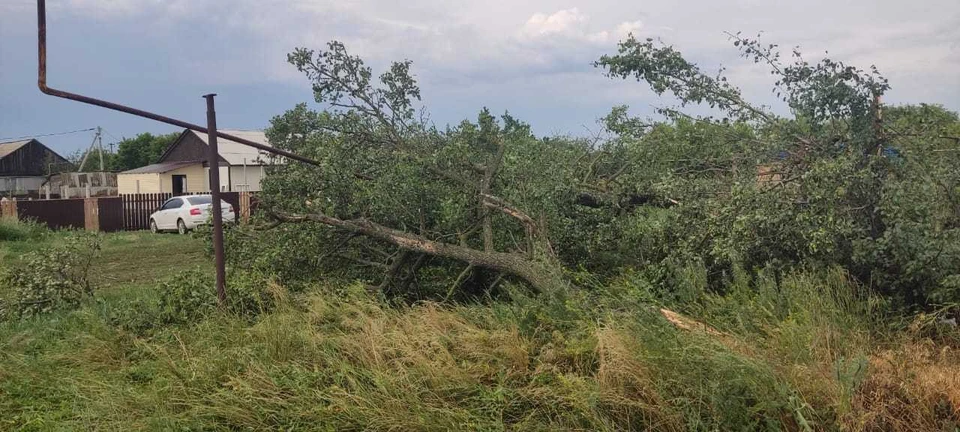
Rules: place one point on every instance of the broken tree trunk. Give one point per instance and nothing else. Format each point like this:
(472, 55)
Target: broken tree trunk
(541, 276)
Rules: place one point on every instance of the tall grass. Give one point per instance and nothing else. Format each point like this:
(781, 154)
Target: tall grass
(13, 230)
(810, 355)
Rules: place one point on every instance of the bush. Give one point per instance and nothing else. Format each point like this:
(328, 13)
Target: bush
(51, 279)
(190, 295)
(12, 230)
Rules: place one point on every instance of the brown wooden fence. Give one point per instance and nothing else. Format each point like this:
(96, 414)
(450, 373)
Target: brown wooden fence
(123, 213)
(137, 208)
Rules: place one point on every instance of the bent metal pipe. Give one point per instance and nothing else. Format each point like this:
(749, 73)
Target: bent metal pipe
(42, 83)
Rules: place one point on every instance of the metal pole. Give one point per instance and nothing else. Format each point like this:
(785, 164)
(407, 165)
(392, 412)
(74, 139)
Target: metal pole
(211, 130)
(100, 147)
(42, 84)
(213, 160)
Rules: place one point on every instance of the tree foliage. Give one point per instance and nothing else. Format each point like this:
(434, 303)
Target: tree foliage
(141, 150)
(49, 280)
(832, 177)
(420, 211)
(93, 161)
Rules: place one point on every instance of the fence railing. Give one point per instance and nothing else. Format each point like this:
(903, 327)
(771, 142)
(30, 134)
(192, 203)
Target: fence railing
(129, 212)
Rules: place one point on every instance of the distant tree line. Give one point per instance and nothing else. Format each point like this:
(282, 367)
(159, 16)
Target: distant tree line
(141, 150)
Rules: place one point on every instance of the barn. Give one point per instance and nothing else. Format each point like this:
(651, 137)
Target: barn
(25, 166)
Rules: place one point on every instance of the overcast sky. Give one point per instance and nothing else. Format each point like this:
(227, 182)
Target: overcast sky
(532, 58)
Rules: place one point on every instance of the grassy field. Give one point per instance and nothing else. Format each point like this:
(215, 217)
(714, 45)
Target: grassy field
(814, 356)
(127, 258)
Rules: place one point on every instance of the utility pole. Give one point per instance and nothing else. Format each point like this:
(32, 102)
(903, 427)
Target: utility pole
(213, 160)
(96, 136)
(100, 147)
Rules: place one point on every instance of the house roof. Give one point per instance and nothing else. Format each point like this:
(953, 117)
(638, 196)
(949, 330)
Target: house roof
(9, 147)
(239, 154)
(161, 167)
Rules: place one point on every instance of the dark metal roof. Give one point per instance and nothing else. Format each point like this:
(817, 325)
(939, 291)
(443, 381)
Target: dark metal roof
(161, 167)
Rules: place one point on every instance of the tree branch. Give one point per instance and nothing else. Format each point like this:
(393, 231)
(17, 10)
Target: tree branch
(456, 284)
(539, 275)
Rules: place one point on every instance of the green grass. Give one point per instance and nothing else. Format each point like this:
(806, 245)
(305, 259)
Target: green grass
(127, 259)
(143, 258)
(814, 356)
(19, 237)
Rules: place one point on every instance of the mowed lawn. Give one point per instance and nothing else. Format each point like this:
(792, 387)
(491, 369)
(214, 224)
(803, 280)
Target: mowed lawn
(139, 258)
(127, 259)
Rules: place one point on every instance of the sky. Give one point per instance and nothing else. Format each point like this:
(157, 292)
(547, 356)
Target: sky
(531, 58)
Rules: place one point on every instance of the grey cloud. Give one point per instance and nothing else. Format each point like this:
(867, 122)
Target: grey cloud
(535, 53)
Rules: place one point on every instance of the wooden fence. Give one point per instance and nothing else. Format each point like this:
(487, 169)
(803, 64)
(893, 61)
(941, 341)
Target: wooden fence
(122, 213)
(137, 208)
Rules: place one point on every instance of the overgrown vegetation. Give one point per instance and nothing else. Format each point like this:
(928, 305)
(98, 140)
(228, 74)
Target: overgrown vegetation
(815, 356)
(49, 280)
(419, 212)
(745, 271)
(14, 231)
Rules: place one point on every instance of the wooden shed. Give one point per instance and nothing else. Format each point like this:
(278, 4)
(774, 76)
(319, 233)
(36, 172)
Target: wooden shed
(25, 166)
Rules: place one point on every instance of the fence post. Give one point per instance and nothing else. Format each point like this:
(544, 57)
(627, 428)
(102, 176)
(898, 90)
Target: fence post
(244, 207)
(91, 214)
(8, 209)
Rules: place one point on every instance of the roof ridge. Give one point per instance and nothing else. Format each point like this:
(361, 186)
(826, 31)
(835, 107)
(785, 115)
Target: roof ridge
(17, 141)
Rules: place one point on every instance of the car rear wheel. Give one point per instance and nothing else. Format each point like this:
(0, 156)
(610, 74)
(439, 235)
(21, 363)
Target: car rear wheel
(153, 226)
(181, 226)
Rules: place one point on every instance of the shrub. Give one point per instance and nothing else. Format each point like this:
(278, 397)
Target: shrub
(190, 295)
(52, 279)
(187, 296)
(12, 230)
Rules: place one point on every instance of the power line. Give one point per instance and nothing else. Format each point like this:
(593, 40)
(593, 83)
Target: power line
(49, 134)
(111, 135)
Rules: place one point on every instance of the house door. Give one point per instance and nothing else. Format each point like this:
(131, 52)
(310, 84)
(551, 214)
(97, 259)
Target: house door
(179, 184)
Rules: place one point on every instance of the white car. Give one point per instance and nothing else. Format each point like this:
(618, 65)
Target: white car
(184, 213)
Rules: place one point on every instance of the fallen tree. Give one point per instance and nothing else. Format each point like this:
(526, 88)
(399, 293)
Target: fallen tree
(537, 273)
(411, 208)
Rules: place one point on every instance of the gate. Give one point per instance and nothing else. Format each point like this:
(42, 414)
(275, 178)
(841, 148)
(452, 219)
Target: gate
(110, 212)
(123, 213)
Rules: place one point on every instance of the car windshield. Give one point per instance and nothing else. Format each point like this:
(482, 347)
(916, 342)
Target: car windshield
(197, 200)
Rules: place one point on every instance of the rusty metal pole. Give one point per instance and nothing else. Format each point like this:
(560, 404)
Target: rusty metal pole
(213, 161)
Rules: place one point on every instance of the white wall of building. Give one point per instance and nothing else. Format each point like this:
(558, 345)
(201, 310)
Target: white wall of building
(21, 184)
(224, 179)
(246, 178)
